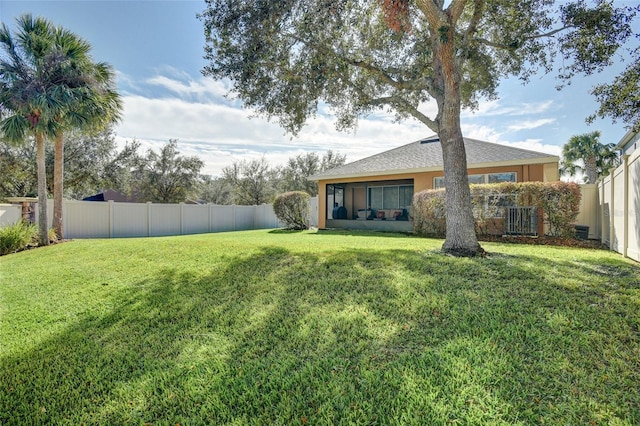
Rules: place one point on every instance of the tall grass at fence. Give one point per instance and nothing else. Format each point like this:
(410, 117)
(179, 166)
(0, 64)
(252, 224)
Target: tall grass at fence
(17, 237)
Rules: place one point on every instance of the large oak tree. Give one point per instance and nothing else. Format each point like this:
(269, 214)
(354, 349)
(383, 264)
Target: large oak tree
(286, 57)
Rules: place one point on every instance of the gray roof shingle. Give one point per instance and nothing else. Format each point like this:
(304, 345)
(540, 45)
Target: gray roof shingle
(426, 155)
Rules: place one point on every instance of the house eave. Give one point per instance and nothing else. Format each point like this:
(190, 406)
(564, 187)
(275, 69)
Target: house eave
(520, 162)
(625, 139)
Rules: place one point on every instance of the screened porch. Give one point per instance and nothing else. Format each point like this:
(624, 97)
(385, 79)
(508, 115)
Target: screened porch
(375, 205)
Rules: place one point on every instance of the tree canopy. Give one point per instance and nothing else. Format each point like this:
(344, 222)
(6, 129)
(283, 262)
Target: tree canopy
(620, 99)
(285, 58)
(167, 177)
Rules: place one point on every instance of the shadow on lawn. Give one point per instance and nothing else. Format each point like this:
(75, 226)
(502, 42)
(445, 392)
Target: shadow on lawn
(363, 337)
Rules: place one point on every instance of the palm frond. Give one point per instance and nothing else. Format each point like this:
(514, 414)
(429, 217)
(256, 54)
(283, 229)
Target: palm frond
(14, 128)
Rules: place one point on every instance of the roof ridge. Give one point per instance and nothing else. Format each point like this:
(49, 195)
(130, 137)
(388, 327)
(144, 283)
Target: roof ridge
(508, 146)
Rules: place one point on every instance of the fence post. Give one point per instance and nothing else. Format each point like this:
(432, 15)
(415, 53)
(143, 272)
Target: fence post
(181, 218)
(210, 214)
(64, 217)
(233, 214)
(148, 218)
(110, 215)
(625, 179)
(601, 208)
(612, 214)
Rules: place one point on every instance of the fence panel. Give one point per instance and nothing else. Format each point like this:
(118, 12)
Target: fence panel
(165, 219)
(245, 218)
(313, 211)
(195, 219)
(618, 239)
(222, 218)
(129, 220)
(83, 219)
(633, 209)
(9, 214)
(589, 210)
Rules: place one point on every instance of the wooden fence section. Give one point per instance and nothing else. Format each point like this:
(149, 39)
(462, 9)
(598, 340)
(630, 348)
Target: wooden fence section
(619, 195)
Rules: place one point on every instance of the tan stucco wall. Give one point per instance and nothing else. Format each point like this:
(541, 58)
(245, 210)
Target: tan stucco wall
(547, 172)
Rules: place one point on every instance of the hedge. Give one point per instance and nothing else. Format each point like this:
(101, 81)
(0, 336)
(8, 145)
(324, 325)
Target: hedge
(559, 201)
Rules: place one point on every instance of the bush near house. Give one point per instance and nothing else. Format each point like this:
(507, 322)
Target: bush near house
(428, 213)
(559, 202)
(17, 237)
(292, 208)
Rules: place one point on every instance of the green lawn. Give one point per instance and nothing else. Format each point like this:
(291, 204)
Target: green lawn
(317, 328)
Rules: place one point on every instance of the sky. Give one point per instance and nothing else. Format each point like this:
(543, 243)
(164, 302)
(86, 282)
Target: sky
(157, 49)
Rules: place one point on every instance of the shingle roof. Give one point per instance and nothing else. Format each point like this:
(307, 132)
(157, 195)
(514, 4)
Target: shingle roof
(426, 155)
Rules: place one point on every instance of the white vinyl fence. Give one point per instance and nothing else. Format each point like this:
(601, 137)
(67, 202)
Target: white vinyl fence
(619, 195)
(94, 219)
(9, 214)
(589, 210)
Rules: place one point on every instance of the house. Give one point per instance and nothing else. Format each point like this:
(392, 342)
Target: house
(111, 195)
(377, 191)
(628, 143)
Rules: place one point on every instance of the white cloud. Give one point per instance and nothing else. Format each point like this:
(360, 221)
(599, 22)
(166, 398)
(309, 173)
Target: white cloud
(195, 113)
(499, 108)
(203, 89)
(534, 145)
(530, 124)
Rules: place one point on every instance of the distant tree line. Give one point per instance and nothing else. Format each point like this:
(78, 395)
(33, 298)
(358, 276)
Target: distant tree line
(93, 162)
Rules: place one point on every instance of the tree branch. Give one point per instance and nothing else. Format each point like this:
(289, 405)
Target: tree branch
(455, 9)
(404, 106)
(396, 102)
(510, 46)
(400, 84)
(432, 11)
(475, 20)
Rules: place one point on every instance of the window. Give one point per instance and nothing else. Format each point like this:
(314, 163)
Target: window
(375, 197)
(390, 196)
(438, 182)
(406, 197)
(476, 179)
(501, 177)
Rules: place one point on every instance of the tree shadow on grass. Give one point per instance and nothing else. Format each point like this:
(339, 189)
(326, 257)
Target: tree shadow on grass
(368, 336)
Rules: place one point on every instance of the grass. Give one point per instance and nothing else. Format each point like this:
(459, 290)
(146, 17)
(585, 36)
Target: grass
(273, 327)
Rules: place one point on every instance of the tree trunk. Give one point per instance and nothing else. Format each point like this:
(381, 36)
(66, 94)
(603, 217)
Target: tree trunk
(591, 169)
(58, 185)
(43, 231)
(461, 239)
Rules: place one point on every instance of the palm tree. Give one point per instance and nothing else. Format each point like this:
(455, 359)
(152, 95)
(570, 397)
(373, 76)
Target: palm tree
(45, 89)
(98, 104)
(584, 153)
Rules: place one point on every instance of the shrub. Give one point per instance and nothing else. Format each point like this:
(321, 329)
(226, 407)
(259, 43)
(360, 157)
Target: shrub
(429, 213)
(292, 209)
(17, 237)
